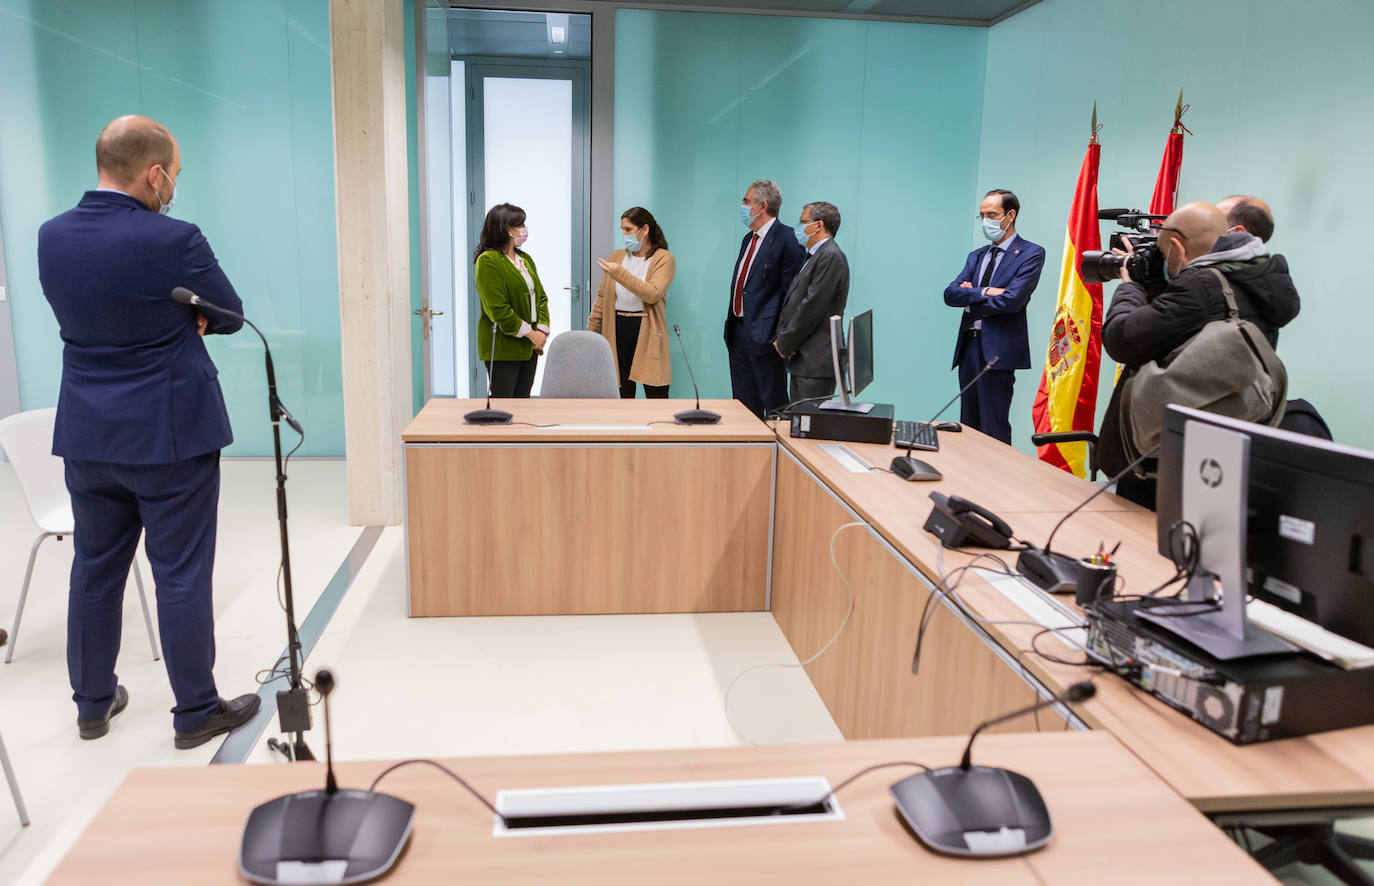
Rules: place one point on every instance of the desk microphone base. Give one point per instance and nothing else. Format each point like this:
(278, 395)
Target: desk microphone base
(488, 417)
(697, 417)
(316, 837)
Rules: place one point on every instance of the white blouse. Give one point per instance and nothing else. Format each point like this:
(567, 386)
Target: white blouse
(625, 300)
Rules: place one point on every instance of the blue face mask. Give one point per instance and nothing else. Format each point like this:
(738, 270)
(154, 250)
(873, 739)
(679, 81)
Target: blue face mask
(631, 242)
(800, 231)
(746, 214)
(992, 229)
(165, 208)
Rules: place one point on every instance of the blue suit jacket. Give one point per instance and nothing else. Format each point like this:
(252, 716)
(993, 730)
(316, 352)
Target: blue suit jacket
(1004, 332)
(138, 386)
(776, 262)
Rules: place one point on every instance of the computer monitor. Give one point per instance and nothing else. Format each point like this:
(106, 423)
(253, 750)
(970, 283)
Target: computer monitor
(1309, 522)
(852, 357)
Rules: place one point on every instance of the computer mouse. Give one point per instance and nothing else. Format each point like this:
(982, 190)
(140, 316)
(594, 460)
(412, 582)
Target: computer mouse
(914, 469)
(949, 427)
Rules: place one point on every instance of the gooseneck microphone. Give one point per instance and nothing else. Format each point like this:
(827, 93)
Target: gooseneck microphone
(905, 465)
(324, 684)
(337, 835)
(1058, 573)
(696, 416)
(187, 297)
(293, 703)
(489, 416)
(980, 811)
(1077, 692)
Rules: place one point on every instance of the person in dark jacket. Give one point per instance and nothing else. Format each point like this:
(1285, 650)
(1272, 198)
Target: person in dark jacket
(818, 292)
(1139, 328)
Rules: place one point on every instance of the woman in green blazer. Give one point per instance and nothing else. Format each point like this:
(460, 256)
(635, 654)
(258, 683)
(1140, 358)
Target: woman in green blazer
(515, 310)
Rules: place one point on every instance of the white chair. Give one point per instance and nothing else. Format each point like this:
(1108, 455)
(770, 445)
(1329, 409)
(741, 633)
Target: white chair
(14, 785)
(580, 365)
(26, 438)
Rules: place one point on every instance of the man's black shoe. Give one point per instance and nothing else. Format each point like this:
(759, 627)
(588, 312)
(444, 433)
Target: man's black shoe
(100, 725)
(231, 715)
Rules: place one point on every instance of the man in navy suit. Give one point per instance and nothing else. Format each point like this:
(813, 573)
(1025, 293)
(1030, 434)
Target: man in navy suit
(140, 423)
(769, 257)
(993, 290)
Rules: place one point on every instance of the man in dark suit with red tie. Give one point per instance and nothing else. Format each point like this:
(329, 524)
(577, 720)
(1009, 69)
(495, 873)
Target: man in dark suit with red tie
(769, 257)
(140, 424)
(993, 290)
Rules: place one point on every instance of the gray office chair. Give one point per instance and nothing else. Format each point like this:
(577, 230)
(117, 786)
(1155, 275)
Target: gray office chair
(579, 365)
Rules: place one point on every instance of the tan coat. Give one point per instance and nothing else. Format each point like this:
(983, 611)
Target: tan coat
(652, 364)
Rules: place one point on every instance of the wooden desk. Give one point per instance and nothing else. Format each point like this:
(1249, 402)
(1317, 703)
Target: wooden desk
(613, 509)
(892, 563)
(1113, 820)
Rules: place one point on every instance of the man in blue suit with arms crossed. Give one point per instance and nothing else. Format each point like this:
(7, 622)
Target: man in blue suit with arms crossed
(140, 424)
(769, 257)
(993, 290)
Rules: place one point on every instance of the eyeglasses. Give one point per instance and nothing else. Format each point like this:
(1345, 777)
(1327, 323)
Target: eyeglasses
(980, 217)
(1181, 235)
(807, 221)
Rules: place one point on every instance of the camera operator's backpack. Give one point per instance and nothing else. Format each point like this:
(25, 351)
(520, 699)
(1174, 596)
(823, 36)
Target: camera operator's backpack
(1228, 368)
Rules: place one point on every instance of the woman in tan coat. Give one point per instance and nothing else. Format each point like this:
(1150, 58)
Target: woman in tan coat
(630, 305)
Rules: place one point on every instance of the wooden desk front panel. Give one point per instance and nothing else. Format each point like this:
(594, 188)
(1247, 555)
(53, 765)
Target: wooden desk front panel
(865, 679)
(1113, 821)
(582, 530)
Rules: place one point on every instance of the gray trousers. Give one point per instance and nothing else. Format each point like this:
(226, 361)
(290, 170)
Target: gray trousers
(802, 387)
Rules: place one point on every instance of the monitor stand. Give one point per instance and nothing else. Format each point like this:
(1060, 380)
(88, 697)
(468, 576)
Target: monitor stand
(1215, 501)
(844, 404)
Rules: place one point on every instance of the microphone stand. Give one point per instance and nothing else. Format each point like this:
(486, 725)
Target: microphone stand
(293, 704)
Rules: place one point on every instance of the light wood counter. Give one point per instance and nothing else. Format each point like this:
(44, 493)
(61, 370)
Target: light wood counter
(615, 509)
(441, 421)
(1113, 819)
(1324, 770)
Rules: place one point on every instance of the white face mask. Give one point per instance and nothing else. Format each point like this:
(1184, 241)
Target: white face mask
(165, 208)
(992, 229)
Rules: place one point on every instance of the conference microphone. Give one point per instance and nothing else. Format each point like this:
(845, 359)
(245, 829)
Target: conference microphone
(489, 416)
(187, 297)
(904, 465)
(329, 836)
(982, 811)
(1058, 573)
(293, 703)
(696, 416)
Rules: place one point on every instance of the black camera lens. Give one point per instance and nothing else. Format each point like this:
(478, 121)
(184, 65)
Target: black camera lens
(1100, 266)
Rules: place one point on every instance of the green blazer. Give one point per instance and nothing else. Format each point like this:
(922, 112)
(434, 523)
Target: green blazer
(506, 300)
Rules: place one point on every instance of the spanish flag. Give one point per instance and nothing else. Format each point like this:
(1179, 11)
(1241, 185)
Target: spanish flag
(1067, 399)
(1164, 200)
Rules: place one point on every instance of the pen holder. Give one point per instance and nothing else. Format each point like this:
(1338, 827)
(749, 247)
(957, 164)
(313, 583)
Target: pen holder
(1094, 581)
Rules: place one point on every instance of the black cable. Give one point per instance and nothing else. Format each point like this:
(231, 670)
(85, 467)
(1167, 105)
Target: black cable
(784, 411)
(444, 769)
(783, 810)
(1101, 489)
(928, 614)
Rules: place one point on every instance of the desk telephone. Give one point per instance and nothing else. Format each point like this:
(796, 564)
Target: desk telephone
(959, 523)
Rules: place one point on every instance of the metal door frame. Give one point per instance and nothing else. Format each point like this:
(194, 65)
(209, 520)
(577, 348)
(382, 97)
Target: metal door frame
(578, 71)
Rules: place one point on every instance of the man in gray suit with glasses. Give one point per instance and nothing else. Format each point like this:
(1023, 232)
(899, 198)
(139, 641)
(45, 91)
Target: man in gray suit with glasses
(820, 290)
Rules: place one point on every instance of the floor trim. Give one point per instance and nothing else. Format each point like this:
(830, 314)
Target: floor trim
(239, 744)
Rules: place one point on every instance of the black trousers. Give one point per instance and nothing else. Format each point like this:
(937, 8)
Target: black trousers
(986, 406)
(513, 378)
(626, 340)
(176, 507)
(758, 376)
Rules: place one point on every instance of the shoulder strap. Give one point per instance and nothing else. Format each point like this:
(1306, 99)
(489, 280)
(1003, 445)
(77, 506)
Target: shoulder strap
(1232, 311)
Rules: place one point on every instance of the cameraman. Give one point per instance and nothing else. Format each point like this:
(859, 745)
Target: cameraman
(1146, 325)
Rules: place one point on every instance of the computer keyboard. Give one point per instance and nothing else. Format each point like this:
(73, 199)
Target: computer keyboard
(916, 434)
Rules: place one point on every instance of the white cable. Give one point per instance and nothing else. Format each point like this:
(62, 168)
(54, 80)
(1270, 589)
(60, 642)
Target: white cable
(801, 664)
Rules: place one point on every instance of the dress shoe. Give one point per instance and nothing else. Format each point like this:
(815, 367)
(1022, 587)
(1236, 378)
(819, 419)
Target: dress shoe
(230, 716)
(4, 636)
(100, 725)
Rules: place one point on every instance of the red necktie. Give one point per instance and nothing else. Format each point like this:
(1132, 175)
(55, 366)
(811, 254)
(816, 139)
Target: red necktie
(738, 305)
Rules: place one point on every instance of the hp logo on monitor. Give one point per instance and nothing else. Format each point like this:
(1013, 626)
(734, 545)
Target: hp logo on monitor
(1210, 472)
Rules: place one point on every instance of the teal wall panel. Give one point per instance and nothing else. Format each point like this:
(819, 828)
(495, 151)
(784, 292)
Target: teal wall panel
(881, 119)
(1282, 100)
(245, 88)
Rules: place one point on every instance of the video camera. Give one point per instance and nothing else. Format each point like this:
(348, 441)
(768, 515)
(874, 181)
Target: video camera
(1145, 263)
